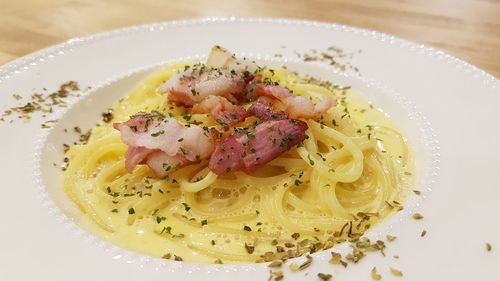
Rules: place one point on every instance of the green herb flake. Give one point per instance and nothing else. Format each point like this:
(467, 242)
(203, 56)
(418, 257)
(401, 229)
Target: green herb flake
(184, 151)
(167, 229)
(161, 132)
(186, 207)
(131, 211)
(311, 162)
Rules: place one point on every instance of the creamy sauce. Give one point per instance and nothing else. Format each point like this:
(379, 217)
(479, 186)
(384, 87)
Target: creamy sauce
(143, 235)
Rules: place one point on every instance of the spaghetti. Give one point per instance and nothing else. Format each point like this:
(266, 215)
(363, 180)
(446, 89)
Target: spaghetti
(351, 171)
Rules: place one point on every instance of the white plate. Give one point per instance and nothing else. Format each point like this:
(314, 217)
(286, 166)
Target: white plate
(448, 108)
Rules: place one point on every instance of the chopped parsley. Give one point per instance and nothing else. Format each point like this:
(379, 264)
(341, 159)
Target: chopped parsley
(186, 207)
(311, 162)
(161, 132)
(159, 219)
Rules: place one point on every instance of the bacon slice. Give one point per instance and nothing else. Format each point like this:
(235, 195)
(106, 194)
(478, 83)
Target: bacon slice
(295, 106)
(221, 110)
(193, 85)
(163, 144)
(134, 156)
(264, 110)
(252, 150)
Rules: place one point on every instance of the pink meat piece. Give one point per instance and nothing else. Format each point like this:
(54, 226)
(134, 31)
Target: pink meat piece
(264, 110)
(196, 83)
(221, 110)
(134, 156)
(295, 106)
(252, 150)
(153, 139)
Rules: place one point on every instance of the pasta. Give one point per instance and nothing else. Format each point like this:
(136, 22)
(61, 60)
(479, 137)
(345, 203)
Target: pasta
(352, 170)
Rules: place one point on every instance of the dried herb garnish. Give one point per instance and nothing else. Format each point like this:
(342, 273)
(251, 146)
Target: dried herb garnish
(324, 277)
(391, 238)
(417, 216)
(333, 56)
(336, 258)
(186, 207)
(375, 275)
(249, 248)
(107, 116)
(276, 263)
(396, 272)
(424, 232)
(275, 275)
(488, 247)
(42, 103)
(294, 267)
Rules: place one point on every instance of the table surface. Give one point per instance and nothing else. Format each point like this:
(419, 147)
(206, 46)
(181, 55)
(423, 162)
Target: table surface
(468, 29)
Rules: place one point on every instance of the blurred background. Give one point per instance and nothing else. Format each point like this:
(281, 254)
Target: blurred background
(468, 29)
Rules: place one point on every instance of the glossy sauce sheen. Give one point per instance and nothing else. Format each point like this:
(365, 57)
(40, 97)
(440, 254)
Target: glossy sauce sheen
(141, 237)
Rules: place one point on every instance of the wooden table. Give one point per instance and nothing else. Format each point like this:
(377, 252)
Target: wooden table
(468, 29)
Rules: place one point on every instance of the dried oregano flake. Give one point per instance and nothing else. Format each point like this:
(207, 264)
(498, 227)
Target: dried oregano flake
(375, 275)
(396, 272)
(417, 216)
(391, 238)
(324, 277)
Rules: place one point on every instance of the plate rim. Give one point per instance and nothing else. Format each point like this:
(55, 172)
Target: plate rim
(12, 68)
(24, 63)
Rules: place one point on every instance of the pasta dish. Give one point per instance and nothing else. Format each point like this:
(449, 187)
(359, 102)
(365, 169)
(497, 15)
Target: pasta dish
(228, 161)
